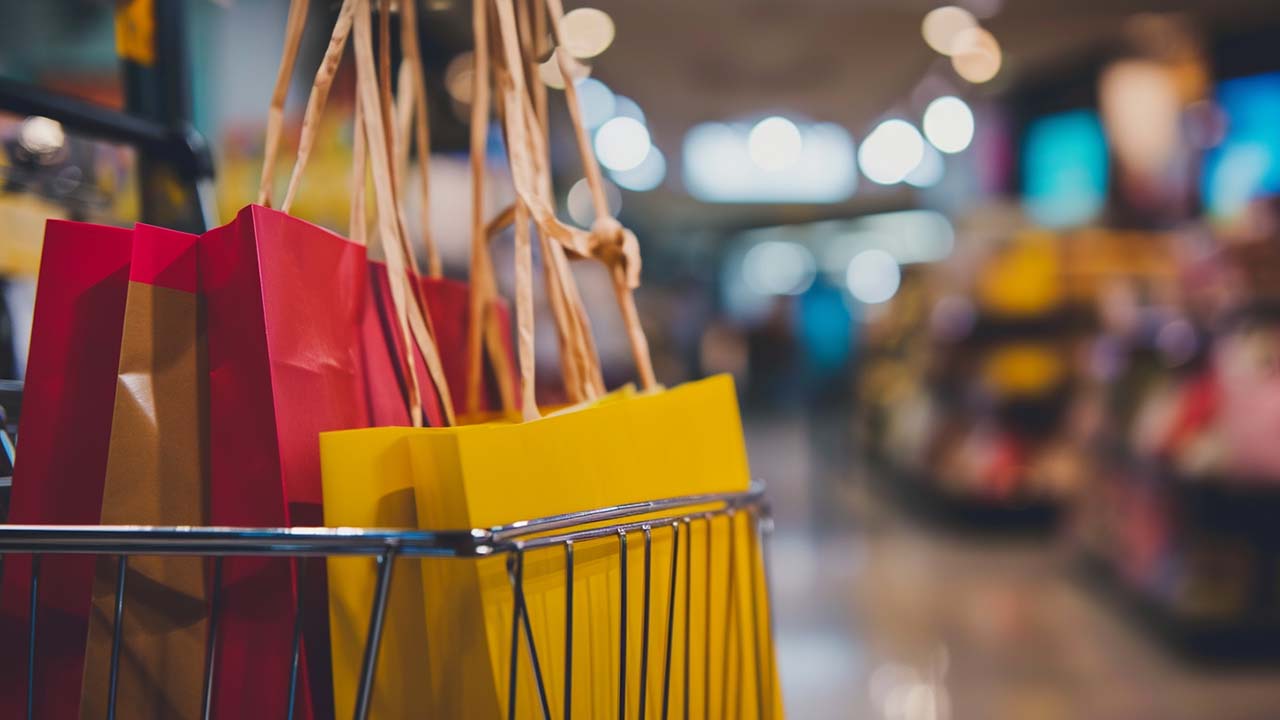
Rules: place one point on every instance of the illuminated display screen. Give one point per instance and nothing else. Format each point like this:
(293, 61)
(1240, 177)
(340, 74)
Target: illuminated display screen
(1064, 168)
(1246, 164)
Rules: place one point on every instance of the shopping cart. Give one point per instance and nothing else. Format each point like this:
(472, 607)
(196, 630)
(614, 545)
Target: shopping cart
(623, 524)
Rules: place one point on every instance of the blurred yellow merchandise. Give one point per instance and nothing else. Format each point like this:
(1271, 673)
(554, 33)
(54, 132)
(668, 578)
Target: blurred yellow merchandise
(115, 173)
(22, 219)
(1094, 256)
(324, 198)
(1024, 277)
(1026, 368)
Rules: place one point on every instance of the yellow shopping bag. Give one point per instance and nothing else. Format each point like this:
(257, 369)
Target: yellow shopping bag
(682, 441)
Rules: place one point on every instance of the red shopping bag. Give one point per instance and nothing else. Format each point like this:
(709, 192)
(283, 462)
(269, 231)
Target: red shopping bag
(284, 300)
(62, 457)
(448, 303)
(384, 350)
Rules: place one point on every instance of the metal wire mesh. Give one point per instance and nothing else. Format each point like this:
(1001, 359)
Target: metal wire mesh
(677, 516)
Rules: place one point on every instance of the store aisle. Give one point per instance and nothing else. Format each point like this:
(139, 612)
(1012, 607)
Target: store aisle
(881, 617)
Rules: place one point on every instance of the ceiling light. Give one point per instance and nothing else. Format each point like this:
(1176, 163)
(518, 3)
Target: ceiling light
(587, 32)
(597, 102)
(941, 26)
(873, 276)
(929, 171)
(892, 150)
(948, 124)
(549, 71)
(622, 143)
(626, 107)
(774, 143)
(975, 55)
(646, 176)
(581, 208)
(775, 267)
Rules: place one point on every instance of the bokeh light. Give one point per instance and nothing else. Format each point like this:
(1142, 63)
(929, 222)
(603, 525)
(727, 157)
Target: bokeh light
(41, 136)
(646, 176)
(873, 276)
(941, 26)
(718, 167)
(597, 102)
(626, 107)
(774, 143)
(459, 75)
(774, 267)
(622, 143)
(582, 211)
(975, 55)
(892, 150)
(948, 124)
(587, 32)
(549, 71)
(929, 171)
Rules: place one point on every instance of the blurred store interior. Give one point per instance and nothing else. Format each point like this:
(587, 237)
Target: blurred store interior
(999, 282)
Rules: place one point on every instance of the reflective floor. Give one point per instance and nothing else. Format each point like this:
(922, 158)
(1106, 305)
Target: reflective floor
(881, 616)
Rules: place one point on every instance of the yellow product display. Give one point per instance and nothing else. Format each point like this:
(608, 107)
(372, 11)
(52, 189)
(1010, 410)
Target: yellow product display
(1025, 368)
(136, 31)
(449, 620)
(22, 218)
(1023, 278)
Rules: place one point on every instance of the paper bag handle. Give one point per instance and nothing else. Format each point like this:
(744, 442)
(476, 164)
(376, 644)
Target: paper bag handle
(482, 331)
(409, 312)
(316, 100)
(607, 241)
(580, 362)
(612, 238)
(484, 334)
(414, 98)
(294, 26)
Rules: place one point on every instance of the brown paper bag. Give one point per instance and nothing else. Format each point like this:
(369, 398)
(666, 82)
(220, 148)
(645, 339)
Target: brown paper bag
(155, 476)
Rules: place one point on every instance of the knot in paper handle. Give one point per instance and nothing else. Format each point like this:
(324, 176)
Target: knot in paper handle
(616, 247)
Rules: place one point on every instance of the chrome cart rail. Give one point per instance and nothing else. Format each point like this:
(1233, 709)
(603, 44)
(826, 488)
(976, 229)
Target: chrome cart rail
(514, 540)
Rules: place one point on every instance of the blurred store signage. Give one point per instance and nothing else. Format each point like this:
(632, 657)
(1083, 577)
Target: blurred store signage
(775, 160)
(1065, 168)
(1246, 163)
(863, 255)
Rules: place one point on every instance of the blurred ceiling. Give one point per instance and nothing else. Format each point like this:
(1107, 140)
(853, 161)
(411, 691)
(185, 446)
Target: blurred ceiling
(850, 62)
(846, 62)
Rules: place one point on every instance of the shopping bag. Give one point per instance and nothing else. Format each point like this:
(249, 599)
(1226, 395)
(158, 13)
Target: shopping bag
(379, 495)
(154, 476)
(283, 303)
(682, 441)
(386, 350)
(448, 302)
(62, 457)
